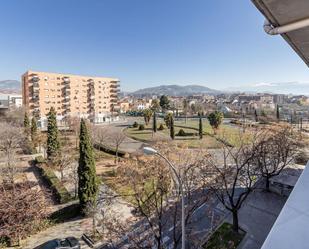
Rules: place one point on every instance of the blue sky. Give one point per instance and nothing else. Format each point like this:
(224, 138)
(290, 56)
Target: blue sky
(215, 43)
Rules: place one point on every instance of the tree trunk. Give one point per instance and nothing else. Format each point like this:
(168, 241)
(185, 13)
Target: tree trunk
(116, 154)
(235, 221)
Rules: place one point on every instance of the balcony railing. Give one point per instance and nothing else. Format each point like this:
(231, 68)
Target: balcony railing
(35, 79)
(66, 79)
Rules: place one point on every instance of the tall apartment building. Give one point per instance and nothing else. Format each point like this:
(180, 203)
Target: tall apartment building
(95, 98)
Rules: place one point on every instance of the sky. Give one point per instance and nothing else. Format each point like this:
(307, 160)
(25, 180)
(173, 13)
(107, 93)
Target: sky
(215, 43)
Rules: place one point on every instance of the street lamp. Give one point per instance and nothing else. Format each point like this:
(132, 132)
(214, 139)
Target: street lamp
(152, 151)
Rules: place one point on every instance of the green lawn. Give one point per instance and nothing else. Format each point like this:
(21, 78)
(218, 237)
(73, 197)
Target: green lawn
(224, 238)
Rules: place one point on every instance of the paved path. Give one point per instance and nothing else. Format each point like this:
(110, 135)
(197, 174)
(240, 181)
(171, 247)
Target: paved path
(257, 217)
(129, 145)
(72, 228)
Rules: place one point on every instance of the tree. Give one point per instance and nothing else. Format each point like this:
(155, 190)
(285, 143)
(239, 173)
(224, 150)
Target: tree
(164, 102)
(154, 122)
(157, 199)
(200, 128)
(185, 105)
(87, 181)
(53, 144)
(62, 162)
(167, 119)
(147, 113)
(155, 105)
(232, 178)
(275, 151)
(11, 139)
(278, 113)
(256, 116)
(22, 210)
(117, 138)
(34, 132)
(215, 119)
(172, 128)
(26, 123)
(74, 125)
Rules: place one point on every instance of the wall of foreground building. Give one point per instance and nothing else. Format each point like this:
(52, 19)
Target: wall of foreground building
(291, 229)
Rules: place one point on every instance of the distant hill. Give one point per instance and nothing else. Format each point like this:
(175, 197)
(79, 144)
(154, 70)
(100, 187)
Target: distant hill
(175, 90)
(10, 86)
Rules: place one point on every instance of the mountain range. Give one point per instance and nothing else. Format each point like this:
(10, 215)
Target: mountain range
(10, 86)
(296, 88)
(175, 90)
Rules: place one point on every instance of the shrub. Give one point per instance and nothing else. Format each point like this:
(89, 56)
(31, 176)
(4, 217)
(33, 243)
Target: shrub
(161, 127)
(181, 133)
(141, 127)
(302, 157)
(39, 159)
(61, 193)
(135, 124)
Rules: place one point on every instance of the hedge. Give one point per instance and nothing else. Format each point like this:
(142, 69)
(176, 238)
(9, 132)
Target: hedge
(66, 213)
(61, 193)
(110, 150)
(40, 159)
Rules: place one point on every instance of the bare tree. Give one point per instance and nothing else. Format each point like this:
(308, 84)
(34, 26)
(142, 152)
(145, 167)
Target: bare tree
(156, 199)
(116, 138)
(233, 175)
(100, 135)
(73, 176)
(11, 138)
(275, 151)
(63, 162)
(22, 210)
(74, 125)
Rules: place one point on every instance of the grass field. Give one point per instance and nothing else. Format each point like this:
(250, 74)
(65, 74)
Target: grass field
(225, 132)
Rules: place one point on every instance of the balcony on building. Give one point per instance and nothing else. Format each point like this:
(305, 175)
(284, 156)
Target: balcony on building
(114, 84)
(35, 78)
(114, 90)
(66, 80)
(35, 86)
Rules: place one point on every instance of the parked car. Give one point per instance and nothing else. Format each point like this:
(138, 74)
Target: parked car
(67, 243)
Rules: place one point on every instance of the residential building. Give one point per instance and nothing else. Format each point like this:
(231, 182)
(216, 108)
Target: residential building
(95, 98)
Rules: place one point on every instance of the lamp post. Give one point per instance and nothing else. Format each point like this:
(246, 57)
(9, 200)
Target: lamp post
(152, 151)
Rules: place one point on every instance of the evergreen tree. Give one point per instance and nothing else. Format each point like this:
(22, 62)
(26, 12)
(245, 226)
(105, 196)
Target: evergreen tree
(26, 121)
(200, 128)
(154, 122)
(278, 113)
(87, 181)
(53, 145)
(26, 124)
(172, 129)
(164, 102)
(34, 131)
(215, 119)
(256, 116)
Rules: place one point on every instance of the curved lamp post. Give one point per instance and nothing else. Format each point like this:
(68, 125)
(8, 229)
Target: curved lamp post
(152, 151)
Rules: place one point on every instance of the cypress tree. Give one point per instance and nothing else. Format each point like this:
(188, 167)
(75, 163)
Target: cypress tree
(26, 124)
(278, 113)
(26, 121)
(172, 129)
(256, 116)
(200, 128)
(87, 181)
(34, 131)
(154, 122)
(53, 145)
